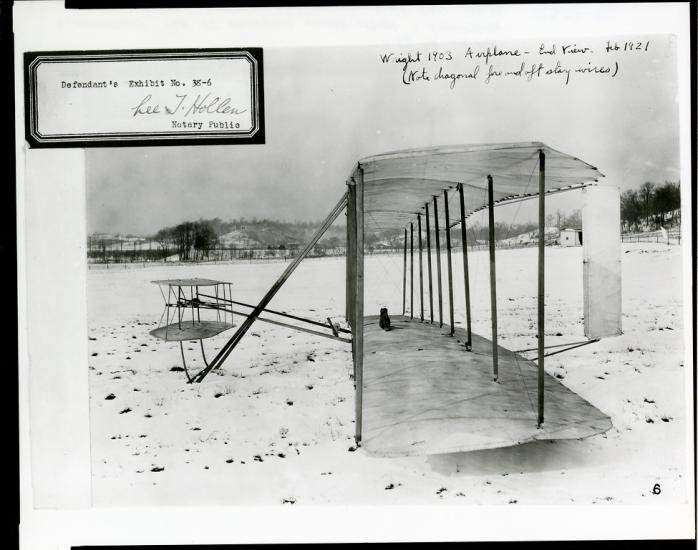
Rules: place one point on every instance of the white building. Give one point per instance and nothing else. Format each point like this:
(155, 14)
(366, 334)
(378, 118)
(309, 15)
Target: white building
(571, 237)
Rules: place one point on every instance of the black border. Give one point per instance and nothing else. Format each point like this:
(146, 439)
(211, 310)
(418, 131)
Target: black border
(184, 138)
(609, 544)
(8, 260)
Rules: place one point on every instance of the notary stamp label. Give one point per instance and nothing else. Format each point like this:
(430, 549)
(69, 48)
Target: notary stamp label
(126, 98)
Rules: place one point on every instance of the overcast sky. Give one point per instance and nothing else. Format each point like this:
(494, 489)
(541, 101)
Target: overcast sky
(326, 108)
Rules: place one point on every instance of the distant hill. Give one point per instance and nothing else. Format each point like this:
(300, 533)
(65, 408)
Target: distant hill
(272, 233)
(238, 239)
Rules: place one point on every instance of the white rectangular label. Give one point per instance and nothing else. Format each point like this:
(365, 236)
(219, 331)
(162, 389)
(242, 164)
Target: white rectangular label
(99, 98)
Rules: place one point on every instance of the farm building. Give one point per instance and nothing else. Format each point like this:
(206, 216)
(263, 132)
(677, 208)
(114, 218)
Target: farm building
(571, 237)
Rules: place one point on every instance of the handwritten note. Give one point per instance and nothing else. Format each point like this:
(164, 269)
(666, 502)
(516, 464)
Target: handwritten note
(107, 97)
(563, 62)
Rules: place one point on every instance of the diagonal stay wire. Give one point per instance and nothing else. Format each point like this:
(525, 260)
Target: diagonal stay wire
(516, 355)
(478, 266)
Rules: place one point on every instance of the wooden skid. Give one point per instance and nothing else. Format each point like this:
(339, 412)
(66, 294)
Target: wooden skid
(423, 393)
(188, 330)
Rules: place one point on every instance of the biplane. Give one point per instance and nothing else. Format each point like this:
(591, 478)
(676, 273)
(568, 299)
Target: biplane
(428, 386)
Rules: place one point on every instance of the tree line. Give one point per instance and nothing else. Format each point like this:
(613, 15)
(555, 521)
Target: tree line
(650, 206)
(195, 241)
(645, 208)
(192, 241)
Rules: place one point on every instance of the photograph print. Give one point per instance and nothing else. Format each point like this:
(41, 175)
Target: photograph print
(446, 274)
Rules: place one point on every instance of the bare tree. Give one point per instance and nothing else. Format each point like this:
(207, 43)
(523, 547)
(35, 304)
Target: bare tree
(646, 194)
(165, 238)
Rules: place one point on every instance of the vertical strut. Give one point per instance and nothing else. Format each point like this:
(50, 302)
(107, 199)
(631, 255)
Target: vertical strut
(541, 285)
(438, 261)
(431, 293)
(466, 276)
(351, 252)
(347, 264)
(493, 277)
(359, 331)
(421, 276)
(404, 275)
(447, 229)
(411, 270)
(351, 265)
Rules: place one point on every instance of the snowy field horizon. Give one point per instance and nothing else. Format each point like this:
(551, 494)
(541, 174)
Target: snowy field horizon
(275, 424)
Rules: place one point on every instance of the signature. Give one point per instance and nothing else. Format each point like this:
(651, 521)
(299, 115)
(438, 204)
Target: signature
(206, 104)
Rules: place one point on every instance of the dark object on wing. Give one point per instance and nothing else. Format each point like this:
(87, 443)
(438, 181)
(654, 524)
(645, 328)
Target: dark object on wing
(384, 320)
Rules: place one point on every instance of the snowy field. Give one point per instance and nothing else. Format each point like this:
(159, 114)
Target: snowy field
(275, 424)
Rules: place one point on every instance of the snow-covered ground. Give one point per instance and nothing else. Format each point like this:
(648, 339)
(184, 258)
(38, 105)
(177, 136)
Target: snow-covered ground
(275, 424)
